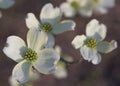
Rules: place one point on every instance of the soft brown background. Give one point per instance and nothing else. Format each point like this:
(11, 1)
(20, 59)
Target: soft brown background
(107, 73)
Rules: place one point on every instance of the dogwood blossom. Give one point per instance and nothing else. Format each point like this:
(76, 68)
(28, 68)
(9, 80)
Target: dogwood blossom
(31, 55)
(4, 4)
(61, 71)
(86, 7)
(49, 22)
(93, 42)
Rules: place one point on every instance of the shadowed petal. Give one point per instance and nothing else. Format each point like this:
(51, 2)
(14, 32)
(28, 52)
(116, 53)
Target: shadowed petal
(50, 42)
(50, 14)
(21, 71)
(106, 47)
(66, 25)
(88, 53)
(96, 30)
(36, 39)
(46, 62)
(6, 3)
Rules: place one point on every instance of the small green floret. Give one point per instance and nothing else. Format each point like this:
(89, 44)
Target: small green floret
(92, 43)
(30, 55)
(46, 27)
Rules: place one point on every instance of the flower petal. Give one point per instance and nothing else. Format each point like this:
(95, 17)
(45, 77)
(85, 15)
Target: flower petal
(96, 30)
(61, 71)
(97, 59)
(106, 47)
(15, 48)
(50, 42)
(100, 10)
(88, 53)
(32, 22)
(6, 3)
(67, 9)
(86, 12)
(46, 61)
(21, 71)
(13, 82)
(58, 49)
(107, 3)
(78, 41)
(36, 39)
(50, 14)
(64, 26)
(103, 5)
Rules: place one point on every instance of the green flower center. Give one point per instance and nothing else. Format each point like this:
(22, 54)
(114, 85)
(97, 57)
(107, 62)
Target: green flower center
(96, 1)
(92, 43)
(30, 55)
(46, 27)
(75, 5)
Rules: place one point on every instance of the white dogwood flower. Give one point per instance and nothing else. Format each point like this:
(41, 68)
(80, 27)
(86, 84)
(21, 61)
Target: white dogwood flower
(61, 71)
(4, 4)
(86, 7)
(32, 55)
(49, 22)
(93, 42)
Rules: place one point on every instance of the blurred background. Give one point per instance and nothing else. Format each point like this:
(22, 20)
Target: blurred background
(107, 73)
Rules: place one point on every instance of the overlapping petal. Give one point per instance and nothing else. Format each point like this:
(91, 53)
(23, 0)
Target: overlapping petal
(15, 48)
(88, 53)
(96, 30)
(61, 71)
(36, 39)
(21, 71)
(96, 60)
(51, 41)
(46, 62)
(63, 26)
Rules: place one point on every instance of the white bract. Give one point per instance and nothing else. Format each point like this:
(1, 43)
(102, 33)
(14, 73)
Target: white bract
(32, 77)
(4, 4)
(86, 7)
(49, 22)
(31, 55)
(61, 71)
(93, 42)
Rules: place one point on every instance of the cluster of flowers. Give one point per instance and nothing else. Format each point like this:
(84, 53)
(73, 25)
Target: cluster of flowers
(39, 52)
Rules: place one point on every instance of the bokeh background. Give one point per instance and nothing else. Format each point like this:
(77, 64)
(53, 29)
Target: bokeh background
(107, 73)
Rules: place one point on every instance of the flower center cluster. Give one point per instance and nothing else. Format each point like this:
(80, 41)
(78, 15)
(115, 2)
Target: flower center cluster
(75, 5)
(30, 55)
(47, 27)
(96, 1)
(92, 43)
